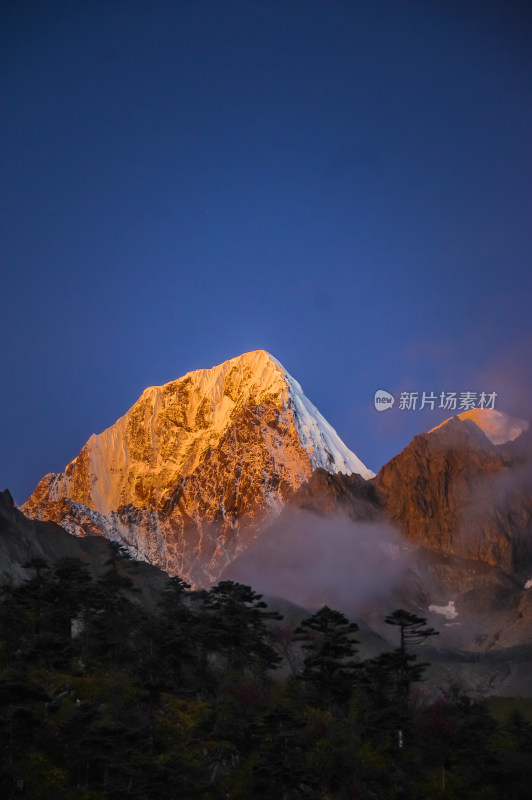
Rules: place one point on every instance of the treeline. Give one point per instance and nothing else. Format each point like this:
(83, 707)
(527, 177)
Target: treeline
(211, 695)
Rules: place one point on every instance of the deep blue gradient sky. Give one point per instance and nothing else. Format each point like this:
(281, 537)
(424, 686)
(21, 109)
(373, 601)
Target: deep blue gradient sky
(344, 183)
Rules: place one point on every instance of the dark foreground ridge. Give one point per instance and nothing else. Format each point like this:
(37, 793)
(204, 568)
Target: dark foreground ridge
(116, 681)
(23, 539)
(211, 694)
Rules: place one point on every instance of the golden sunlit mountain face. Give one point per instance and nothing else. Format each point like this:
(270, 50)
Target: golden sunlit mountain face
(217, 450)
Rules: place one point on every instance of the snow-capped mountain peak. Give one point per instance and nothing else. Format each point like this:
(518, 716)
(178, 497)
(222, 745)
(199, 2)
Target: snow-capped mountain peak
(319, 439)
(198, 458)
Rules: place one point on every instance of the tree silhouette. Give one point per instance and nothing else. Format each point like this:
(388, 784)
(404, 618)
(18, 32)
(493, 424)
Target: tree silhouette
(389, 676)
(411, 627)
(327, 639)
(242, 635)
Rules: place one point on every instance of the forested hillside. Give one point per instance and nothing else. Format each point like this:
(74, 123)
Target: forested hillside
(213, 695)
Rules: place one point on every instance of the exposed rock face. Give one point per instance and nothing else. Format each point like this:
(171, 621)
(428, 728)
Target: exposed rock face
(454, 491)
(186, 476)
(346, 495)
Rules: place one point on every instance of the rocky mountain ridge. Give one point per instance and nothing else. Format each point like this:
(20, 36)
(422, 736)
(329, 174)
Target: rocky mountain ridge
(454, 491)
(273, 498)
(186, 477)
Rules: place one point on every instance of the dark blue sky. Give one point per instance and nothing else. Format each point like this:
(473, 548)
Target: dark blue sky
(345, 184)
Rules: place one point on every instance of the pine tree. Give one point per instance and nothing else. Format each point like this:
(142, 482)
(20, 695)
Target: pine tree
(168, 638)
(388, 678)
(412, 628)
(241, 633)
(329, 665)
(114, 618)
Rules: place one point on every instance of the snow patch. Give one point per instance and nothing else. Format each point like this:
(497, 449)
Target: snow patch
(449, 611)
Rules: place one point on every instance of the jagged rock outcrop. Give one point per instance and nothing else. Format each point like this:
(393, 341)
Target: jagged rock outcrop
(347, 495)
(185, 478)
(454, 491)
